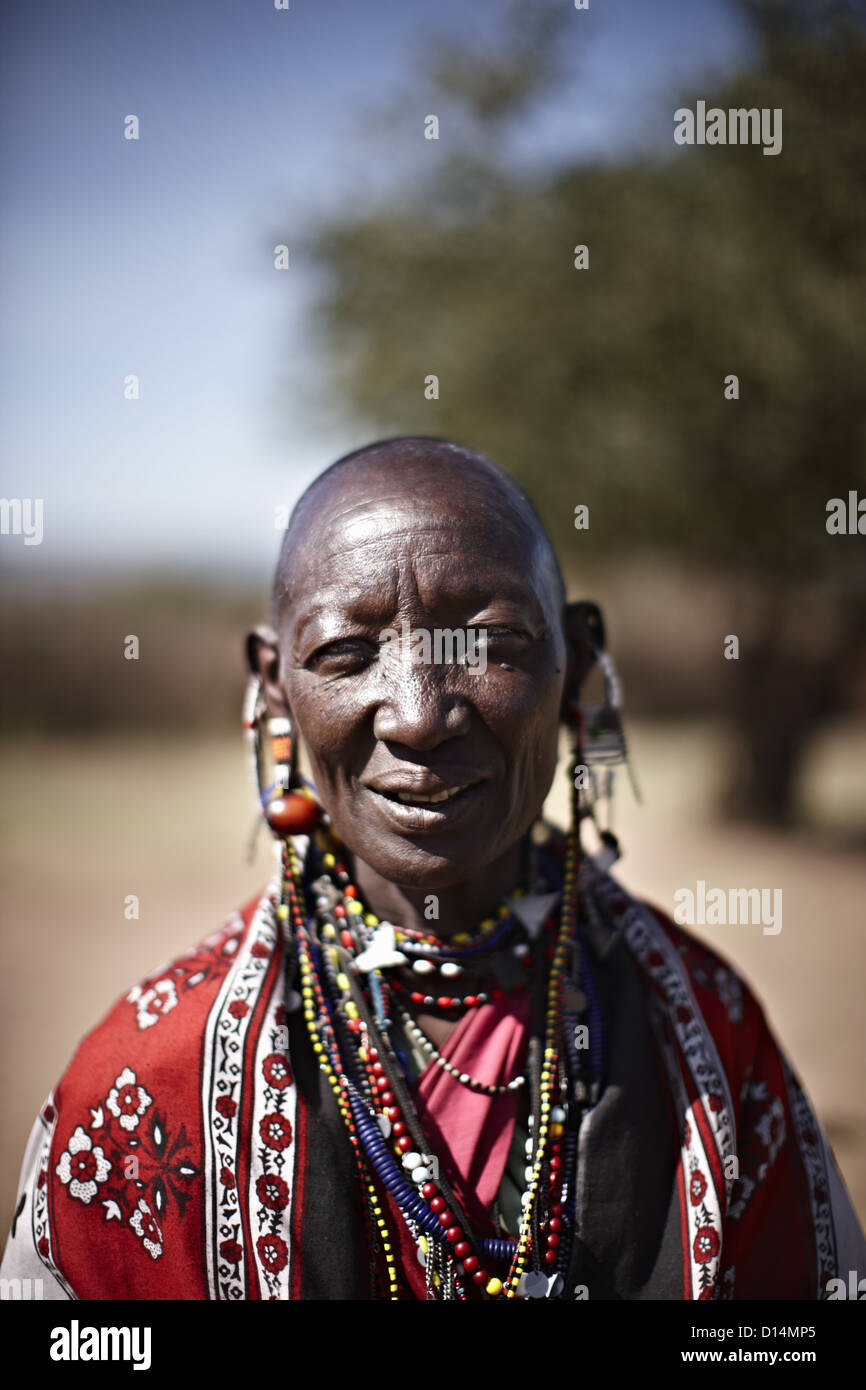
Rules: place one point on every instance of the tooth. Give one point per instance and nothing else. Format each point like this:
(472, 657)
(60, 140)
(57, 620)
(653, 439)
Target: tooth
(414, 798)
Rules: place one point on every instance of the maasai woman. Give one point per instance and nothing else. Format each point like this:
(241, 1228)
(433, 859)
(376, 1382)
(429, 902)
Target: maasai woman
(445, 1055)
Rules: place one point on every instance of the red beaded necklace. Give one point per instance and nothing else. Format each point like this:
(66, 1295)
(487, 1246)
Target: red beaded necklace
(345, 1016)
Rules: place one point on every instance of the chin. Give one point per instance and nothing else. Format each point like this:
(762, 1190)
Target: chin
(421, 869)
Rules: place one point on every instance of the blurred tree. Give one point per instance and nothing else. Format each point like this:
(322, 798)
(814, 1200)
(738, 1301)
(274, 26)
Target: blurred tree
(606, 386)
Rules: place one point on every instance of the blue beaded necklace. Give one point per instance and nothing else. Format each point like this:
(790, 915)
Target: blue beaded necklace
(354, 1014)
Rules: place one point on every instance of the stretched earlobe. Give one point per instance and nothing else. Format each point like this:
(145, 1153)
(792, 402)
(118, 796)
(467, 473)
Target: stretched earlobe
(263, 660)
(585, 637)
(599, 739)
(261, 642)
(589, 614)
(287, 807)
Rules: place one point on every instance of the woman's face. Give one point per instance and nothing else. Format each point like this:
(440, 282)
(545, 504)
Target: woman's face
(385, 733)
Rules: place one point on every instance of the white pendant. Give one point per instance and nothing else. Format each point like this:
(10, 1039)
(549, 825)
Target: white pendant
(533, 910)
(382, 953)
(533, 1284)
(450, 969)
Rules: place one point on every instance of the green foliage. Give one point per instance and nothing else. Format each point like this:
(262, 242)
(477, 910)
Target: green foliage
(605, 386)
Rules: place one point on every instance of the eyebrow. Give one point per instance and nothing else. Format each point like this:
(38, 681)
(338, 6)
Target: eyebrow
(360, 607)
(336, 611)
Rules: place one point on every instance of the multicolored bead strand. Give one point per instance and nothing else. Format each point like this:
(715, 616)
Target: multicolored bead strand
(308, 997)
(347, 1010)
(550, 1058)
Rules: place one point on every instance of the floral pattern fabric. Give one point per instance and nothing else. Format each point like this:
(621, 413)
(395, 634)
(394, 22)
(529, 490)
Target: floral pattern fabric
(179, 1158)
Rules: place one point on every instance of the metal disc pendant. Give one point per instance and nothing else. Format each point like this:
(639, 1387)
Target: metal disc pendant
(533, 1284)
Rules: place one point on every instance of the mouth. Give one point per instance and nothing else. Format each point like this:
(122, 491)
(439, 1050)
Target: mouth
(413, 798)
(419, 811)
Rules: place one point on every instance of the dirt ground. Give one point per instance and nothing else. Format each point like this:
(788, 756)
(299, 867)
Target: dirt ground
(84, 824)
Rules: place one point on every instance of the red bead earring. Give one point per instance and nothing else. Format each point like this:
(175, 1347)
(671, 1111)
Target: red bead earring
(288, 809)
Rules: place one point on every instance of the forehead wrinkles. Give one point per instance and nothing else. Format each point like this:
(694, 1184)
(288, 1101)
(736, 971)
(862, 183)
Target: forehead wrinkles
(398, 531)
(334, 538)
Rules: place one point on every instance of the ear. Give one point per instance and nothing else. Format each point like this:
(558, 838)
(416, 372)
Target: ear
(585, 638)
(263, 659)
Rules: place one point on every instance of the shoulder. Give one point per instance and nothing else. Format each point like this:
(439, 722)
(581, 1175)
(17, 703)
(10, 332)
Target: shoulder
(694, 983)
(159, 1020)
(128, 1131)
(717, 984)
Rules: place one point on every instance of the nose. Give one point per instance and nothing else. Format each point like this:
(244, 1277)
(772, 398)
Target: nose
(418, 711)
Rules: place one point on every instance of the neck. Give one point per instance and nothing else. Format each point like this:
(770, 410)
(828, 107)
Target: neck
(459, 908)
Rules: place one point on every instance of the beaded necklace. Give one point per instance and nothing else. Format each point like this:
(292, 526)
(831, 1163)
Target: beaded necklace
(350, 1005)
(427, 1046)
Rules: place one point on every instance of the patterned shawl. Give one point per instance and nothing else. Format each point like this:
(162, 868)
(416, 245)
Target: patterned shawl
(193, 1150)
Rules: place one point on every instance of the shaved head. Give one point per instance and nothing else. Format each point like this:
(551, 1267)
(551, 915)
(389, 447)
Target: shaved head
(424, 472)
(421, 537)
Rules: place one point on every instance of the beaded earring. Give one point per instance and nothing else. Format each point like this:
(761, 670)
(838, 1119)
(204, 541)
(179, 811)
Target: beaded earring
(287, 808)
(290, 811)
(599, 748)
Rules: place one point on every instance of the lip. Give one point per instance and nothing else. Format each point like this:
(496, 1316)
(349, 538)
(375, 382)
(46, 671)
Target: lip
(425, 783)
(419, 819)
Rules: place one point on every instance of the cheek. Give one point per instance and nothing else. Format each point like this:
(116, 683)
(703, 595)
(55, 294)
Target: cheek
(538, 755)
(528, 708)
(526, 725)
(324, 727)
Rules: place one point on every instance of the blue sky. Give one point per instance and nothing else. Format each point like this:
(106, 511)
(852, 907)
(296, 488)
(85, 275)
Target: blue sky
(154, 256)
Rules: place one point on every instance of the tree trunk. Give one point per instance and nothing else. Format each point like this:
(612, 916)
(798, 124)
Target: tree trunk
(791, 676)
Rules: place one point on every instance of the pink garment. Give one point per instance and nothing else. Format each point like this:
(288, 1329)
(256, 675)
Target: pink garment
(470, 1131)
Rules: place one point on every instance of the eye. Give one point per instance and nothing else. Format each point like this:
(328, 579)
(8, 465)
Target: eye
(500, 636)
(346, 657)
(505, 644)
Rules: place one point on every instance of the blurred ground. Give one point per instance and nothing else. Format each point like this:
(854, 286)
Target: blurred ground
(85, 823)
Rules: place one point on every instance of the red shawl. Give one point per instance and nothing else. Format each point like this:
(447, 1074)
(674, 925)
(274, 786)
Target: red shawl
(180, 1157)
